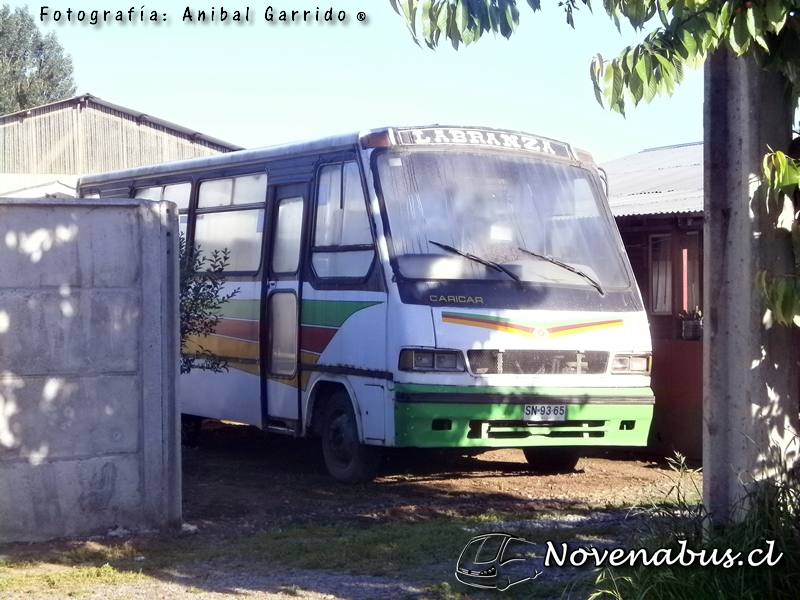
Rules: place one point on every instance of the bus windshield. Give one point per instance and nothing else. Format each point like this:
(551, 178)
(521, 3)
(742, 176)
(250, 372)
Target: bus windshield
(461, 215)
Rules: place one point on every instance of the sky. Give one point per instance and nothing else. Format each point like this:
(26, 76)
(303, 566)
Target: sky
(259, 83)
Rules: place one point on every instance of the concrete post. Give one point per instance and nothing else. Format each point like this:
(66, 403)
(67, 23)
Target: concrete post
(750, 378)
(89, 350)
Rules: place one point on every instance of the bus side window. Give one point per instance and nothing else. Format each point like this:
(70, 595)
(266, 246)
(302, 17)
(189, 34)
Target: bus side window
(288, 233)
(343, 244)
(230, 214)
(174, 192)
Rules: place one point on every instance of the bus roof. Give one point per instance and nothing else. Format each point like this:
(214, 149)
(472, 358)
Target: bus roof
(240, 157)
(432, 135)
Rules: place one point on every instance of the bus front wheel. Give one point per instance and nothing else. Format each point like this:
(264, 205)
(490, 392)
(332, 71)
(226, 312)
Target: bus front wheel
(552, 460)
(347, 459)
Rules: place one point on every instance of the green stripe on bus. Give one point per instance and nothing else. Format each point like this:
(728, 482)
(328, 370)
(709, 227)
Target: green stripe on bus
(241, 309)
(330, 313)
(418, 388)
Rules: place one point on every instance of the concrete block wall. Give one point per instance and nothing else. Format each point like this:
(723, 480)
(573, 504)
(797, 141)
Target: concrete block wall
(89, 346)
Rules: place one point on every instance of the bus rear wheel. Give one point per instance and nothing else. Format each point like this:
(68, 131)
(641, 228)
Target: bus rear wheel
(347, 459)
(552, 460)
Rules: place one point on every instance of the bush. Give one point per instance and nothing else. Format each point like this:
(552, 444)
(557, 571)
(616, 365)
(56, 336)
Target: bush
(201, 300)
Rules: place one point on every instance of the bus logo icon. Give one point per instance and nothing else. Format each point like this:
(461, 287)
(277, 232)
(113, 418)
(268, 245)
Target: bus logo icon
(496, 561)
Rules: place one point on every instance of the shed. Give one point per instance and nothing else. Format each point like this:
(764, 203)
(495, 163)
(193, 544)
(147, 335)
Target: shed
(61, 141)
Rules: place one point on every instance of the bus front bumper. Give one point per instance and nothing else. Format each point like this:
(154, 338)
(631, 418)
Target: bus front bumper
(442, 417)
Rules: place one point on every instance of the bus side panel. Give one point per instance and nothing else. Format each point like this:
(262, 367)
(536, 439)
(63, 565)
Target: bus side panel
(343, 339)
(233, 395)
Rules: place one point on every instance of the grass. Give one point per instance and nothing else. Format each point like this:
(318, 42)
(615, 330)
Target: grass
(68, 578)
(772, 513)
(417, 551)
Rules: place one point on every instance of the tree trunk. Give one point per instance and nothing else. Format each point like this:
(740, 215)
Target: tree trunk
(750, 380)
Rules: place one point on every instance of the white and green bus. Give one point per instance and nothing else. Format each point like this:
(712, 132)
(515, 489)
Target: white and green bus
(428, 287)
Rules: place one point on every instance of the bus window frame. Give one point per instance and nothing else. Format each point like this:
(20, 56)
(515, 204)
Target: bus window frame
(263, 205)
(371, 280)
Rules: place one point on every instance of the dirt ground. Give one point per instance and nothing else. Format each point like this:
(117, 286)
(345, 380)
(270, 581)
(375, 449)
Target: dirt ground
(240, 478)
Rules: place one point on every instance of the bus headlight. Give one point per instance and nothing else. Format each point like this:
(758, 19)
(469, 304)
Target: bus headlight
(638, 364)
(431, 360)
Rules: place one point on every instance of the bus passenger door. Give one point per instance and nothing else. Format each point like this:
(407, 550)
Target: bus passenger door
(280, 398)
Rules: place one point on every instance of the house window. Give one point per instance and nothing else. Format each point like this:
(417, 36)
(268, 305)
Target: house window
(661, 274)
(690, 271)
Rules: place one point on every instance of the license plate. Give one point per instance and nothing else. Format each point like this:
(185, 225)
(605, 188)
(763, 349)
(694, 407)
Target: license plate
(545, 412)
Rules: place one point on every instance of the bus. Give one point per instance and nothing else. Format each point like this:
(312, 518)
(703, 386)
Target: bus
(425, 287)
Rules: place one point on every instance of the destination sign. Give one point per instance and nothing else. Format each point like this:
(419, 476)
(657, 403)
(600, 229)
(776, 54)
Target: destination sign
(462, 136)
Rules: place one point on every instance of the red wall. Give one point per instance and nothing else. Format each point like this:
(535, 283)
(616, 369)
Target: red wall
(677, 380)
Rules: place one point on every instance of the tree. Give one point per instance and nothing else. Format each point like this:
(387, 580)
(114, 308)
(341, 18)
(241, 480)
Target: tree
(752, 53)
(687, 31)
(201, 297)
(34, 69)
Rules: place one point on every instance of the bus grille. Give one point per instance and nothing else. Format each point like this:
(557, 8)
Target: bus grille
(537, 362)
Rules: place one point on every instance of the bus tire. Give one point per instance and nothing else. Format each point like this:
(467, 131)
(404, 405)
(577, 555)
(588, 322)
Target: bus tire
(347, 459)
(552, 460)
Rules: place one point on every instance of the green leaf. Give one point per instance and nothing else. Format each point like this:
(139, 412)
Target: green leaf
(640, 76)
(761, 285)
(512, 17)
(715, 23)
(678, 71)
(776, 13)
(788, 301)
(428, 21)
(778, 292)
(665, 64)
(767, 168)
(452, 27)
(626, 60)
(442, 18)
(724, 20)
(668, 80)
(750, 19)
(462, 18)
(651, 86)
(790, 179)
(739, 38)
(596, 73)
(410, 13)
(617, 86)
(688, 41)
(663, 10)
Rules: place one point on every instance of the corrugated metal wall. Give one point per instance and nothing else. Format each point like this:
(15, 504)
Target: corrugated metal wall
(82, 138)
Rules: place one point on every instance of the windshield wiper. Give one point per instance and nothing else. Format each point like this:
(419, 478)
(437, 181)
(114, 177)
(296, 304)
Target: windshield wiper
(564, 265)
(487, 263)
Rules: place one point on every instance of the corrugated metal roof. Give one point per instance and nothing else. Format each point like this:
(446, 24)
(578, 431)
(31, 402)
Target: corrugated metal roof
(666, 180)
